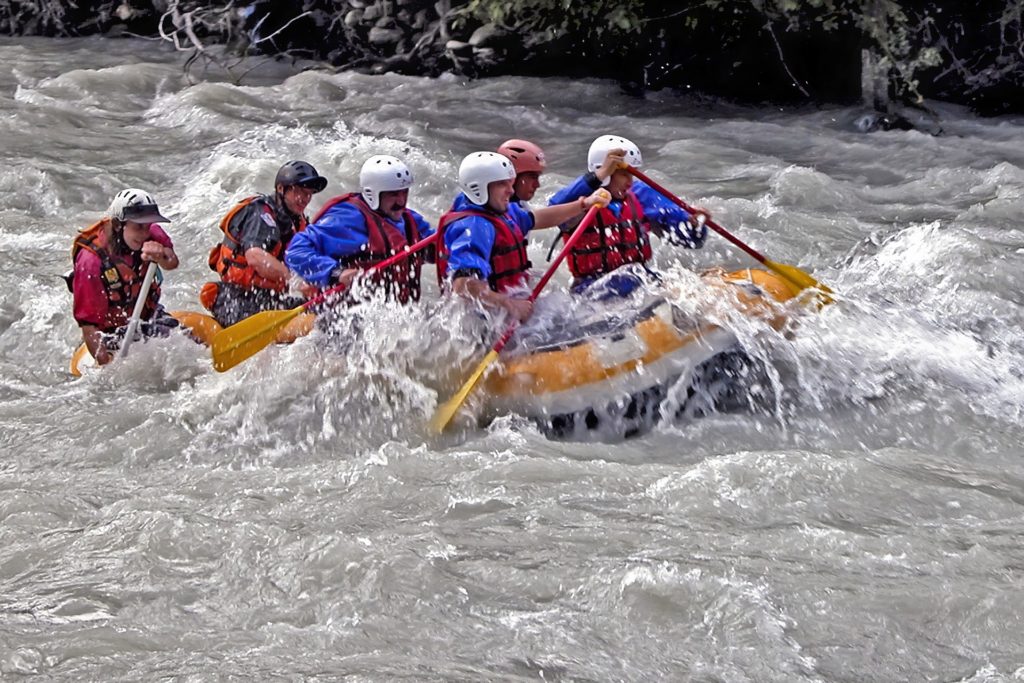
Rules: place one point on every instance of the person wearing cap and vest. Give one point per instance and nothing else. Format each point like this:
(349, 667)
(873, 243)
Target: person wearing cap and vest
(529, 162)
(110, 260)
(485, 240)
(621, 234)
(359, 229)
(249, 259)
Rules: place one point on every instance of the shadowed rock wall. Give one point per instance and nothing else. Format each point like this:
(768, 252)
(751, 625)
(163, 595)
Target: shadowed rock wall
(737, 49)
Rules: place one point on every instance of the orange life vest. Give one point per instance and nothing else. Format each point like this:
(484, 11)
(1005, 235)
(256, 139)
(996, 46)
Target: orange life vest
(122, 276)
(612, 241)
(509, 262)
(400, 281)
(228, 259)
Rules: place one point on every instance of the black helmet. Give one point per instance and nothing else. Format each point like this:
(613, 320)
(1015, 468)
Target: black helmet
(300, 173)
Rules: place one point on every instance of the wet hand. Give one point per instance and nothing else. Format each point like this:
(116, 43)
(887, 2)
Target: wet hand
(613, 161)
(103, 355)
(346, 276)
(600, 198)
(691, 233)
(699, 217)
(520, 309)
(154, 251)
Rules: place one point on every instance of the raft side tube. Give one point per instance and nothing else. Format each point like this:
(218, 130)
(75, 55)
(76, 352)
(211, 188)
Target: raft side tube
(656, 350)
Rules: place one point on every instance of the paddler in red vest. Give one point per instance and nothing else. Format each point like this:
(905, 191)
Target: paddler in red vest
(485, 234)
(360, 229)
(621, 233)
(528, 160)
(110, 261)
(249, 259)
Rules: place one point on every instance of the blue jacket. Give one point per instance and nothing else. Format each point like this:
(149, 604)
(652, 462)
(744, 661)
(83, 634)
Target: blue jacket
(315, 252)
(657, 209)
(469, 240)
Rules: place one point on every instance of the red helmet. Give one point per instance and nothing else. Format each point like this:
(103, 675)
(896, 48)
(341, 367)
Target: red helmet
(526, 157)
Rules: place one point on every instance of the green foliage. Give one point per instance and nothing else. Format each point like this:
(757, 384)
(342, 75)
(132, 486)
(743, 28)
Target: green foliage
(584, 18)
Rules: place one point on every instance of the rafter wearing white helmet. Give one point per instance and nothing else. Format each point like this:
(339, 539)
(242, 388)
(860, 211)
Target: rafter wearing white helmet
(383, 173)
(600, 148)
(480, 169)
(136, 206)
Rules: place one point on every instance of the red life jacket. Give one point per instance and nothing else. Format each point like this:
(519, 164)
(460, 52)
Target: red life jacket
(509, 262)
(400, 281)
(121, 275)
(228, 259)
(612, 241)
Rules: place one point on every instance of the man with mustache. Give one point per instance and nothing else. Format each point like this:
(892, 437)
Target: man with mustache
(257, 231)
(360, 229)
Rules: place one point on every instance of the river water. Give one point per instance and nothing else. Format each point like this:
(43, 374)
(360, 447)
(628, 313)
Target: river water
(292, 519)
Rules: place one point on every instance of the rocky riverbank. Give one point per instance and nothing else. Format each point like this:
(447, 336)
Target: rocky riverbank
(890, 55)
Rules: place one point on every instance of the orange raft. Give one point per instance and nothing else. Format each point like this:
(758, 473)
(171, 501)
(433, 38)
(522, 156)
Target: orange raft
(572, 378)
(202, 328)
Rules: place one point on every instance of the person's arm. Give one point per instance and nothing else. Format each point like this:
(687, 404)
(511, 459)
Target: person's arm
(257, 232)
(159, 249)
(473, 287)
(469, 242)
(552, 216)
(90, 304)
(580, 187)
(588, 182)
(306, 258)
(93, 338)
(677, 224)
(315, 254)
(267, 266)
(159, 254)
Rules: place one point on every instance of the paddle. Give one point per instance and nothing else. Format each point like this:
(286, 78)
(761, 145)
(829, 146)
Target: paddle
(796, 277)
(140, 303)
(235, 344)
(444, 413)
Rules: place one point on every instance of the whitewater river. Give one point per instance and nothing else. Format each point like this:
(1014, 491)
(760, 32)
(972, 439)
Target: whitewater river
(294, 520)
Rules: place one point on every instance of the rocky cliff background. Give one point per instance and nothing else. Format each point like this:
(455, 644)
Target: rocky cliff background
(890, 55)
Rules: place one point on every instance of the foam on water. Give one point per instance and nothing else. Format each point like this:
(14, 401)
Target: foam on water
(852, 513)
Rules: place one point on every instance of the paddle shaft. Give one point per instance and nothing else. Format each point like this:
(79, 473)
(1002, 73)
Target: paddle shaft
(710, 223)
(140, 303)
(573, 239)
(386, 263)
(444, 414)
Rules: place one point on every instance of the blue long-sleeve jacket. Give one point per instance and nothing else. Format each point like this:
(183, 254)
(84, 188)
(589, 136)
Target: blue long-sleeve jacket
(341, 232)
(469, 240)
(657, 209)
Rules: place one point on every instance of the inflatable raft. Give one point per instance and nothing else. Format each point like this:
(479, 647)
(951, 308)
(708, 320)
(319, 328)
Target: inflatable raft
(621, 365)
(201, 328)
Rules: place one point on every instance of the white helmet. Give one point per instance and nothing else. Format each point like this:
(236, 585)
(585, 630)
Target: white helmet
(136, 206)
(479, 170)
(600, 147)
(383, 173)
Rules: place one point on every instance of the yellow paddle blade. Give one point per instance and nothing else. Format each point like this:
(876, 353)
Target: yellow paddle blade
(801, 280)
(444, 413)
(234, 344)
(80, 356)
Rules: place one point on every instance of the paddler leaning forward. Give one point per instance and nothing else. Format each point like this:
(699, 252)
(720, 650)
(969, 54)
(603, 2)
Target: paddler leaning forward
(358, 230)
(485, 234)
(110, 259)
